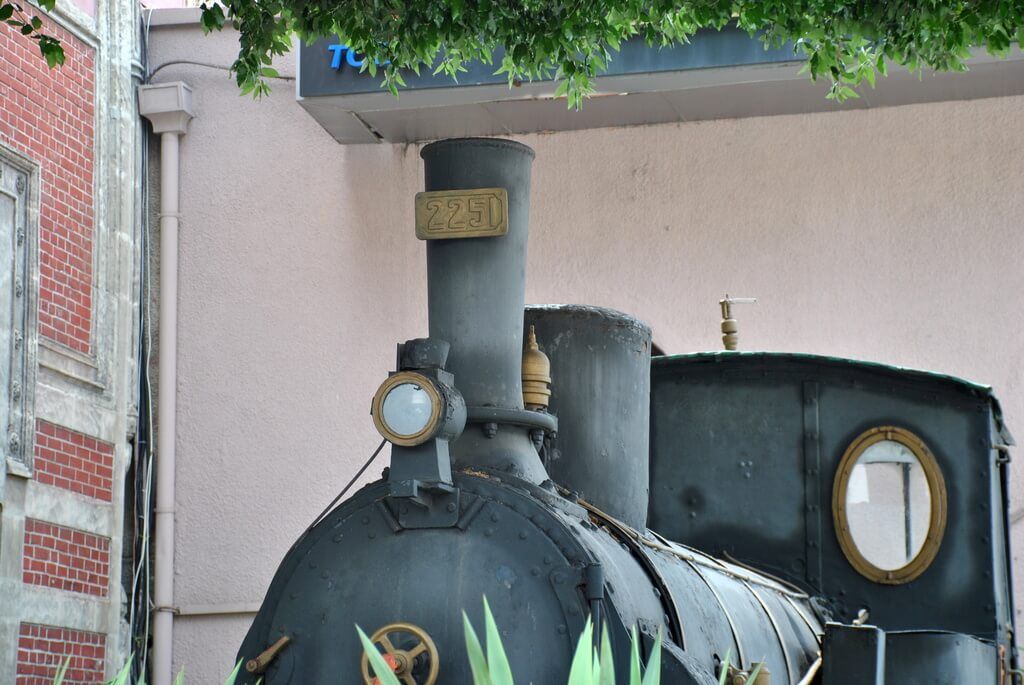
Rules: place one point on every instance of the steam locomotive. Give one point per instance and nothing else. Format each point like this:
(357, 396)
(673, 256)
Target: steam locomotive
(833, 521)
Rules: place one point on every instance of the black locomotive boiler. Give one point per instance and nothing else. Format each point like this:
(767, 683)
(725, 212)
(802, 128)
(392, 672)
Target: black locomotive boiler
(831, 520)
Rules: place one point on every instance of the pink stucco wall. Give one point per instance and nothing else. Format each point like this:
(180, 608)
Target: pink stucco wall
(892, 235)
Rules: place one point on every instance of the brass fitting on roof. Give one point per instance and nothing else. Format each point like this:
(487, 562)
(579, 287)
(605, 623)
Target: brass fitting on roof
(536, 375)
(730, 327)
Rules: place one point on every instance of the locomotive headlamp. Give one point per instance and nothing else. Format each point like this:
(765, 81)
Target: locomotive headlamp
(408, 409)
(419, 411)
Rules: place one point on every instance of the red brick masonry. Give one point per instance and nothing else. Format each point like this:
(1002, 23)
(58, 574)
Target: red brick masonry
(73, 461)
(65, 558)
(42, 649)
(49, 117)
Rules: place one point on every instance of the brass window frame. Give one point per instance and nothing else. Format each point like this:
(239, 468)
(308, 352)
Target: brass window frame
(937, 518)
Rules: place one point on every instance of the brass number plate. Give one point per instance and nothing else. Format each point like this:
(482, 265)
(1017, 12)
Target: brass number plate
(478, 213)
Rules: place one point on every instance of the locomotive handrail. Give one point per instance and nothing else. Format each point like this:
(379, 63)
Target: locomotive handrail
(736, 562)
(812, 671)
(703, 560)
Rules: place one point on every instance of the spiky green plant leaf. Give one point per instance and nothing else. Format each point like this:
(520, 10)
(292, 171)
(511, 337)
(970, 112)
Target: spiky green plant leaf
(652, 674)
(606, 659)
(377, 664)
(497, 661)
(582, 670)
(62, 670)
(477, 662)
(634, 659)
(180, 678)
(723, 668)
(122, 677)
(234, 674)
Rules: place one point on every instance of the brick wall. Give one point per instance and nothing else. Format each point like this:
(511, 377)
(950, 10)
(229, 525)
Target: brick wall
(65, 558)
(73, 461)
(49, 117)
(42, 650)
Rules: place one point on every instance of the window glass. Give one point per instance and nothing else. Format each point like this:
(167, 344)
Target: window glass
(888, 505)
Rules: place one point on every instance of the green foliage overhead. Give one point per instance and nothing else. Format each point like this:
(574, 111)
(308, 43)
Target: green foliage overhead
(30, 24)
(845, 42)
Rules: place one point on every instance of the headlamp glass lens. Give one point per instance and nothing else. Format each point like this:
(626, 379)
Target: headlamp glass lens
(407, 409)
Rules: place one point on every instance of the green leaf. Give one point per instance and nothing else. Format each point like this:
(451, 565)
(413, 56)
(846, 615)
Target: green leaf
(234, 674)
(869, 74)
(48, 5)
(652, 674)
(606, 659)
(6, 11)
(62, 670)
(477, 662)
(497, 661)
(269, 72)
(212, 18)
(634, 659)
(723, 668)
(52, 51)
(180, 678)
(581, 672)
(377, 664)
(124, 674)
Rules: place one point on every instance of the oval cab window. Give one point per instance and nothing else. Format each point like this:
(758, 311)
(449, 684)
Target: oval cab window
(889, 505)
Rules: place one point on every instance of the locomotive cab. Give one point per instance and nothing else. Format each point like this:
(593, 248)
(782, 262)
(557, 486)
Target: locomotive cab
(881, 490)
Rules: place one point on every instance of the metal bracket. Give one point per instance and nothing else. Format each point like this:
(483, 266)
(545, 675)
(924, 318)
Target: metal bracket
(427, 505)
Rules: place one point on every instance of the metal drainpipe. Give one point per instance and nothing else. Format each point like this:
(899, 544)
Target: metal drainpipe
(163, 575)
(168, 108)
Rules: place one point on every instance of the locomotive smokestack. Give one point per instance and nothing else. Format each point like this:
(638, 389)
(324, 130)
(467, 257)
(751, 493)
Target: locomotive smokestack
(476, 290)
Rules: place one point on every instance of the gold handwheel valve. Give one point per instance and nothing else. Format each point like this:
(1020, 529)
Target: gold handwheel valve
(403, 660)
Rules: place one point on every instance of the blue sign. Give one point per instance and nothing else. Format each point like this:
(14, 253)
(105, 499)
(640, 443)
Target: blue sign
(337, 51)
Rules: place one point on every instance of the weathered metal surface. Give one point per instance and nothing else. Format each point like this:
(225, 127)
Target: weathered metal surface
(745, 448)
(475, 292)
(532, 554)
(358, 568)
(454, 214)
(853, 655)
(937, 658)
(858, 655)
(600, 385)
